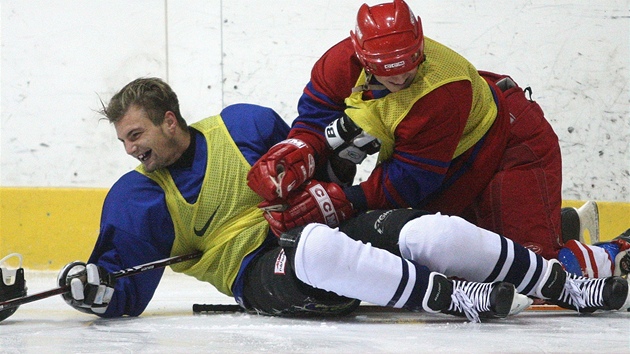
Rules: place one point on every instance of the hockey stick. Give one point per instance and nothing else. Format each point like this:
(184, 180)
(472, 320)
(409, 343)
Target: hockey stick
(205, 308)
(5, 305)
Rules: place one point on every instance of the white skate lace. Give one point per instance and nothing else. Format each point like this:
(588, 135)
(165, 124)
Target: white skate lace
(470, 298)
(583, 292)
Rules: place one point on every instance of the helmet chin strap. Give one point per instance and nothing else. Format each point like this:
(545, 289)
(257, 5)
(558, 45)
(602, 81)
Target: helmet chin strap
(367, 86)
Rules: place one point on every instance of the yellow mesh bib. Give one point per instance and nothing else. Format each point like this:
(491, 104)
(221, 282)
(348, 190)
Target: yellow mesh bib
(225, 222)
(380, 117)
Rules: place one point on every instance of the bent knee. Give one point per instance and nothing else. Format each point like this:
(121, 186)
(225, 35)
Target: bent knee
(434, 234)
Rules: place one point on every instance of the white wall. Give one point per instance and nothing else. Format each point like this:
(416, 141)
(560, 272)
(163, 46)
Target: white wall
(59, 57)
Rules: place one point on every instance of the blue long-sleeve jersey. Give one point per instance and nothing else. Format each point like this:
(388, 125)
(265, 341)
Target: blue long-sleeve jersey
(136, 226)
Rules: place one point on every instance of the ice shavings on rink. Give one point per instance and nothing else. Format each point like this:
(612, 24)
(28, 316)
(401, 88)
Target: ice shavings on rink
(169, 325)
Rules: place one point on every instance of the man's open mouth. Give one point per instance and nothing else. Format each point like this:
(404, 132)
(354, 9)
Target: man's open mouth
(145, 156)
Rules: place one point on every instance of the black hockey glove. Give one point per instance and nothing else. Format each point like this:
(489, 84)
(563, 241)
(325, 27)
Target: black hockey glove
(349, 141)
(91, 287)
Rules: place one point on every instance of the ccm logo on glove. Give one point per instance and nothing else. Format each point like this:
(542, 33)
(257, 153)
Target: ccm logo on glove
(318, 202)
(325, 204)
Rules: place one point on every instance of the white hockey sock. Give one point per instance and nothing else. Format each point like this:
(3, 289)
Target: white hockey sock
(456, 248)
(328, 259)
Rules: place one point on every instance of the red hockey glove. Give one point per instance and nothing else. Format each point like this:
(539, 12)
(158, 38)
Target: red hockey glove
(623, 240)
(319, 202)
(282, 169)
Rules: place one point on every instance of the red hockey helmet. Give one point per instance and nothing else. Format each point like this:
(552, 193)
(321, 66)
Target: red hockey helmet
(388, 38)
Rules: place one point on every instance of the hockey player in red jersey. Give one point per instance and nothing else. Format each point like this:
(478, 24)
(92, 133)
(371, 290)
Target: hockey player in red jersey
(450, 138)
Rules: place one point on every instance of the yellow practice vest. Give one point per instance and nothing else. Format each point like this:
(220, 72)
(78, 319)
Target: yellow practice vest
(225, 222)
(380, 117)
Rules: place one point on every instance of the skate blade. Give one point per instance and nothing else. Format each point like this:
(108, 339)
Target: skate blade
(589, 222)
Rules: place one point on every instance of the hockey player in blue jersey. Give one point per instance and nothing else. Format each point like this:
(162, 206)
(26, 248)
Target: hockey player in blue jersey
(190, 193)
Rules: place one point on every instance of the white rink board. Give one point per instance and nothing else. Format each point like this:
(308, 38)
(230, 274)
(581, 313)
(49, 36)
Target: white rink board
(573, 54)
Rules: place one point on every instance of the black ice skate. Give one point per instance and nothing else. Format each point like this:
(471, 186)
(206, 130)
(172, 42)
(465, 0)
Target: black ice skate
(12, 285)
(473, 300)
(585, 295)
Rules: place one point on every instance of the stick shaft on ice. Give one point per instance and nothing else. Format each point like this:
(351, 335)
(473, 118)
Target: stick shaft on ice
(119, 274)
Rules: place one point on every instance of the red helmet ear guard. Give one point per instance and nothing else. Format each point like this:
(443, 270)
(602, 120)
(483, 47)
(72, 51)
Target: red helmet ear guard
(388, 38)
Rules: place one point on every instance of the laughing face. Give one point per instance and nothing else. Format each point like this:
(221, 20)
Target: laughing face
(155, 146)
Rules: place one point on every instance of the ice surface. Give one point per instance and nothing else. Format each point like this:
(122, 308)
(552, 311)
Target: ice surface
(169, 326)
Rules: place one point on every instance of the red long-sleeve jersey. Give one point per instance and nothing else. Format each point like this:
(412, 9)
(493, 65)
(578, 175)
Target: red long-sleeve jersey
(425, 140)
(509, 181)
